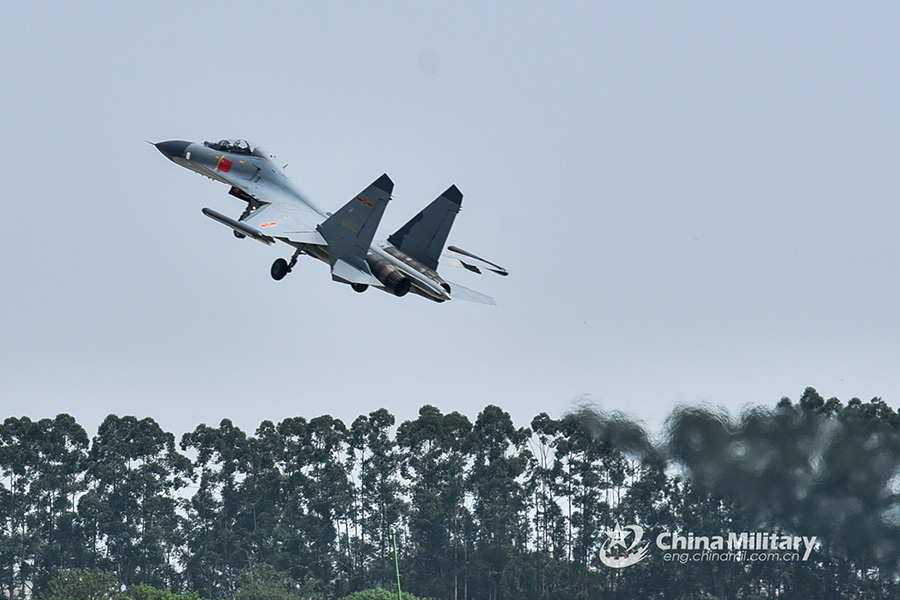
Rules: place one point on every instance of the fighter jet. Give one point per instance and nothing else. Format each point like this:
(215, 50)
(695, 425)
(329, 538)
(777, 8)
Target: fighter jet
(347, 240)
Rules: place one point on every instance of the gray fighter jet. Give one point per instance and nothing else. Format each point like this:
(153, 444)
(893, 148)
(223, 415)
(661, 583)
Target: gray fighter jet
(405, 261)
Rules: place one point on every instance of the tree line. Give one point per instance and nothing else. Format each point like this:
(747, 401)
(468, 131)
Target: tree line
(480, 510)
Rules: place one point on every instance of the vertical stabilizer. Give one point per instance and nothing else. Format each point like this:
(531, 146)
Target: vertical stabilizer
(424, 236)
(349, 231)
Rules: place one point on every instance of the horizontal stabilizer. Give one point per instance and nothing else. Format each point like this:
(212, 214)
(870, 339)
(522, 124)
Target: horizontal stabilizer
(239, 227)
(472, 262)
(346, 273)
(460, 292)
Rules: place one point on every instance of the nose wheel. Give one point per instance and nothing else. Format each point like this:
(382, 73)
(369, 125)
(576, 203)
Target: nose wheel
(281, 267)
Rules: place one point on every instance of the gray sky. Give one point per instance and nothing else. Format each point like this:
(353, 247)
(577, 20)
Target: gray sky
(697, 202)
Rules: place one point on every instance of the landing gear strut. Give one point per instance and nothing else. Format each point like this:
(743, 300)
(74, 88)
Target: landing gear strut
(281, 267)
(251, 206)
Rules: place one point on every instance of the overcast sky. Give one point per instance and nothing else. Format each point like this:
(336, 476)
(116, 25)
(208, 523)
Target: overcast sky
(697, 202)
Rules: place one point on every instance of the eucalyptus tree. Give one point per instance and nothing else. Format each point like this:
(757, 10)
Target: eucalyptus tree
(379, 504)
(18, 463)
(42, 462)
(215, 552)
(60, 449)
(9, 546)
(549, 523)
(578, 484)
(499, 459)
(263, 498)
(435, 461)
(135, 474)
(317, 495)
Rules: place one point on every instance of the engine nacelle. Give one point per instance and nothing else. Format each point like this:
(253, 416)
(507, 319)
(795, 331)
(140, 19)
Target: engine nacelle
(390, 276)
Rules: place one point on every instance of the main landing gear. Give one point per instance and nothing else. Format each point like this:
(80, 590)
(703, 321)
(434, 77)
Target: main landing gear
(251, 206)
(281, 267)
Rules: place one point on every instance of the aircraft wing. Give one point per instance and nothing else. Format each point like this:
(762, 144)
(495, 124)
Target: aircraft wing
(286, 220)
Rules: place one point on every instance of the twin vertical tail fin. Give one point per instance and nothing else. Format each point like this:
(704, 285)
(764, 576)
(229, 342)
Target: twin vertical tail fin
(350, 231)
(424, 236)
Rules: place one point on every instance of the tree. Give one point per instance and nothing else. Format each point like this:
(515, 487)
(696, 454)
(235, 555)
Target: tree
(307, 509)
(134, 473)
(85, 584)
(43, 462)
(435, 461)
(215, 551)
(143, 591)
(95, 584)
(380, 594)
(264, 583)
(499, 459)
(317, 492)
(378, 506)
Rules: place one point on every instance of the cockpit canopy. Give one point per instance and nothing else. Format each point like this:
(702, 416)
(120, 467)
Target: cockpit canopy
(234, 146)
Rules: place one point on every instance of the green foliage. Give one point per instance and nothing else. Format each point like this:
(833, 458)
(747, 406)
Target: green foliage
(134, 473)
(96, 584)
(264, 583)
(148, 592)
(480, 509)
(381, 594)
(85, 584)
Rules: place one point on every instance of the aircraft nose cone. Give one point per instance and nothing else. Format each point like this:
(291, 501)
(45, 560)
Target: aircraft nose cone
(172, 148)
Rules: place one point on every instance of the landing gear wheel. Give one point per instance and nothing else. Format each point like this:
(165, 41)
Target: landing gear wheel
(359, 287)
(280, 268)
